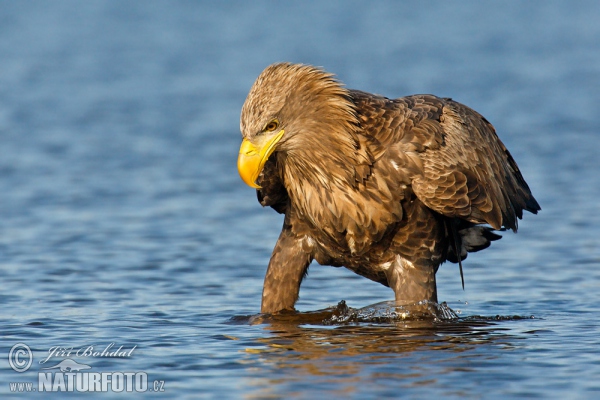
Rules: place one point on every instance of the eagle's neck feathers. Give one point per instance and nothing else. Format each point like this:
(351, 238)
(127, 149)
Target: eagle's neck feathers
(327, 170)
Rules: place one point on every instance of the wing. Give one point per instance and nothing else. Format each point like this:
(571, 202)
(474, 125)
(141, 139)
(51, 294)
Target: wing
(470, 175)
(457, 165)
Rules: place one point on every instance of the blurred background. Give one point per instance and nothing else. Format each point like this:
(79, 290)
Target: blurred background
(123, 219)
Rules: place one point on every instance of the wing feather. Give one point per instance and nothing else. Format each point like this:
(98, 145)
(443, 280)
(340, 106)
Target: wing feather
(471, 175)
(456, 163)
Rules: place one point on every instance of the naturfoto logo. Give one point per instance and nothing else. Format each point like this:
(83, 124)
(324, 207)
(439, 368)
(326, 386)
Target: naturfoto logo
(68, 375)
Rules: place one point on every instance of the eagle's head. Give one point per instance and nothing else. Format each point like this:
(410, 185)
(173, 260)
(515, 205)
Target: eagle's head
(291, 108)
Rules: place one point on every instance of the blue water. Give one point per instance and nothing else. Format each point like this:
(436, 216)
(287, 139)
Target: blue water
(123, 219)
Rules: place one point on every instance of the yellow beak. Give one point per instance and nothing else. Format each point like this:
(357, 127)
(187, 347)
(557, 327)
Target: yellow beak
(252, 157)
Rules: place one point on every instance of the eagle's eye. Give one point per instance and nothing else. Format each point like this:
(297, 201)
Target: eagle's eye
(271, 126)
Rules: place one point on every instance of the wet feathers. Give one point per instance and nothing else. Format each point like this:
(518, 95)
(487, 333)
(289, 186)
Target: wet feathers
(363, 179)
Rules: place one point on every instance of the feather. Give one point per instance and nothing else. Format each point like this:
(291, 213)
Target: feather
(388, 188)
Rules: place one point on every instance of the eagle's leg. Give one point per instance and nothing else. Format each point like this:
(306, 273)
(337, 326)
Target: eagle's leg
(287, 268)
(411, 282)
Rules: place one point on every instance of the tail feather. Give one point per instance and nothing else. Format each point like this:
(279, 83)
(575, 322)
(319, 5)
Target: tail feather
(466, 237)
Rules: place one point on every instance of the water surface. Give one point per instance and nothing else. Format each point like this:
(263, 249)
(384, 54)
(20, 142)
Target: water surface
(123, 219)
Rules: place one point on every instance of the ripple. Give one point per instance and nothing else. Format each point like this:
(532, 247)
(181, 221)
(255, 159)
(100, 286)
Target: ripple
(382, 313)
(122, 217)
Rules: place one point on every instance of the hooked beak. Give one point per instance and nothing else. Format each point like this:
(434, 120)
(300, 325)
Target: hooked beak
(252, 157)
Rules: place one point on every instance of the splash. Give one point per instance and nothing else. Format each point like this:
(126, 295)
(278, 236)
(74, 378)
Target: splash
(390, 312)
(420, 314)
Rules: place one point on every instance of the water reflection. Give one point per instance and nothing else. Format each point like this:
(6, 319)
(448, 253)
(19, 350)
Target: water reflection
(123, 219)
(308, 348)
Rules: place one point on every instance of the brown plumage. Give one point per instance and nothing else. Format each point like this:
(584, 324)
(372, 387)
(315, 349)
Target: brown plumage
(389, 189)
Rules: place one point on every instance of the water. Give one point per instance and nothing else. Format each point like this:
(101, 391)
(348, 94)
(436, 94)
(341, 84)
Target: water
(123, 219)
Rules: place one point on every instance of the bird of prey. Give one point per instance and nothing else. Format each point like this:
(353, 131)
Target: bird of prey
(388, 188)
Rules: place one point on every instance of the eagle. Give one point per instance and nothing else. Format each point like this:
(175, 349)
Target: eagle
(388, 188)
